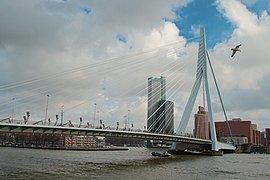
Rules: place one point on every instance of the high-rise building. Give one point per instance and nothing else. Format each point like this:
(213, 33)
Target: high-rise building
(160, 112)
(156, 92)
(165, 117)
(201, 129)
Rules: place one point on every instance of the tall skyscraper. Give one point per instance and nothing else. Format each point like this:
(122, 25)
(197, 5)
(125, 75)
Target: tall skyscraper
(165, 117)
(201, 124)
(160, 114)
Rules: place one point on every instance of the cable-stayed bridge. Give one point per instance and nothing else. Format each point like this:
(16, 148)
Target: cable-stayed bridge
(29, 128)
(181, 142)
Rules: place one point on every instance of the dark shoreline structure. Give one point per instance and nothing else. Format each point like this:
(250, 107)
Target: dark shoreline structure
(199, 153)
(55, 142)
(72, 149)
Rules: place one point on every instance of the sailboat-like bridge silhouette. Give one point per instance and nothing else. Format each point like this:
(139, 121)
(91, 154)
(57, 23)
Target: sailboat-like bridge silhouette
(180, 142)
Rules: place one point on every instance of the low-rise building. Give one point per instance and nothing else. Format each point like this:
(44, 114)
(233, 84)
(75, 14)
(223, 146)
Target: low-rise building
(240, 130)
(80, 141)
(236, 140)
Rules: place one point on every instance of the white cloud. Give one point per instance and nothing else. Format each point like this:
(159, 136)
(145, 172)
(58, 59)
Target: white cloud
(166, 34)
(46, 38)
(244, 77)
(239, 15)
(42, 38)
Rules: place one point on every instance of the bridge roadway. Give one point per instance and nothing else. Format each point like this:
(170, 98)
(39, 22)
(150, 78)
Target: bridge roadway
(29, 128)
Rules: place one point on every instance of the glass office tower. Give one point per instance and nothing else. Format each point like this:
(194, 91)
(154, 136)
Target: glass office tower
(160, 113)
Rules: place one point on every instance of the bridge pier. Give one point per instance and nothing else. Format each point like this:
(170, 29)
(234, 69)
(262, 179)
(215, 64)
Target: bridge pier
(181, 148)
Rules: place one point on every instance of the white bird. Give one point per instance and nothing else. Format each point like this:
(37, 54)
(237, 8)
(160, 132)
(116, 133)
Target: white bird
(236, 49)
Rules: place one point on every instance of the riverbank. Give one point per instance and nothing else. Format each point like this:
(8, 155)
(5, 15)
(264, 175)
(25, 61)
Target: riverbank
(73, 149)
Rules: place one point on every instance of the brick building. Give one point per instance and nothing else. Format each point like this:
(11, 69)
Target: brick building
(201, 129)
(240, 129)
(80, 141)
(32, 139)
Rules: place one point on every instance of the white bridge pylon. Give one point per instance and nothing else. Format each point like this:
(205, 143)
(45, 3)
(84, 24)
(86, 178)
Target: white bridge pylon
(201, 74)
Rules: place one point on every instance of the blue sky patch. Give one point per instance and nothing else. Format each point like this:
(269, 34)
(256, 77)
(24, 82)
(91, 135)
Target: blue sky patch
(121, 38)
(203, 13)
(259, 6)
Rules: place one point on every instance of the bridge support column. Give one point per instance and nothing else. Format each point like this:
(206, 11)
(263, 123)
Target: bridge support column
(200, 75)
(187, 148)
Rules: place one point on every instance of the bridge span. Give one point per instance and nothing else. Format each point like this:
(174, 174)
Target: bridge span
(30, 128)
(181, 142)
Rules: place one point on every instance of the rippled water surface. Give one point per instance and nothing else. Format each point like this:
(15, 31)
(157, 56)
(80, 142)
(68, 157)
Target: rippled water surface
(137, 163)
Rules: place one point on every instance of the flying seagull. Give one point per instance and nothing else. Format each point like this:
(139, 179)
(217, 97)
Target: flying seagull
(236, 49)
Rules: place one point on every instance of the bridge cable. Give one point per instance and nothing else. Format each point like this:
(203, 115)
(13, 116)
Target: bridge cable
(55, 86)
(220, 98)
(25, 82)
(155, 122)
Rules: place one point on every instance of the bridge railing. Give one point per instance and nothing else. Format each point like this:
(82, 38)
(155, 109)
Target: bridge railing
(70, 124)
(67, 124)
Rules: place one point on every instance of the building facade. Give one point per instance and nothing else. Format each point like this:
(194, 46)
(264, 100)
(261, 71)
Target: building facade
(165, 117)
(32, 140)
(160, 112)
(240, 129)
(80, 141)
(201, 129)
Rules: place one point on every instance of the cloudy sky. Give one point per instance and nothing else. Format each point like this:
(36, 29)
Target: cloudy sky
(83, 53)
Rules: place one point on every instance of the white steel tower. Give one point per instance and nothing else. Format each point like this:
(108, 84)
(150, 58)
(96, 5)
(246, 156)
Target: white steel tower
(200, 74)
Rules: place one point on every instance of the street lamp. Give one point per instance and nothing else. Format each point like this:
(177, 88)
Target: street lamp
(125, 120)
(94, 115)
(46, 113)
(62, 114)
(13, 99)
(128, 116)
(98, 117)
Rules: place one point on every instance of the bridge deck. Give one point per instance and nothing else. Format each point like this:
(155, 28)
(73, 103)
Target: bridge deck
(29, 128)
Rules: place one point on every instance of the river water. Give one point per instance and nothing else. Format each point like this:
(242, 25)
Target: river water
(137, 163)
